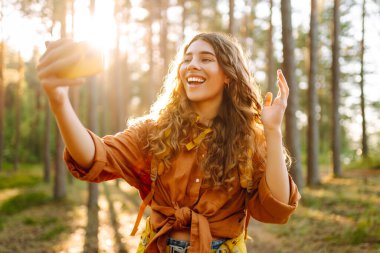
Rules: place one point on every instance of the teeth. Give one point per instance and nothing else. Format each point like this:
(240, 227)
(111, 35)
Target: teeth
(195, 79)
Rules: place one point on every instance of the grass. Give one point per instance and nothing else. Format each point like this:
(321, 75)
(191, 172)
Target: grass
(27, 176)
(341, 215)
(53, 232)
(23, 201)
(371, 162)
(30, 220)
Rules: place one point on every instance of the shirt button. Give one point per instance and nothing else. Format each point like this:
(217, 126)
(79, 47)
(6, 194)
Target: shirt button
(197, 180)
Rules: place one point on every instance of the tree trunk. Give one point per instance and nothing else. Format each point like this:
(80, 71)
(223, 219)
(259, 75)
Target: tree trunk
(74, 91)
(362, 99)
(336, 92)
(151, 88)
(312, 130)
(119, 94)
(164, 36)
(200, 15)
(60, 170)
(47, 132)
(47, 156)
(231, 25)
(2, 98)
(184, 17)
(18, 102)
(93, 125)
(291, 130)
(37, 140)
(93, 190)
(270, 57)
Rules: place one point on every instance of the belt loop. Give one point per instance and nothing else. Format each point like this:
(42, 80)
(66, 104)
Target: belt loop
(177, 249)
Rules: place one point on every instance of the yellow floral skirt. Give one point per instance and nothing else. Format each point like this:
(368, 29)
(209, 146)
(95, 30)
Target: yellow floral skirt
(234, 245)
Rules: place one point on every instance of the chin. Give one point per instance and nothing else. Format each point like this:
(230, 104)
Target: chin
(195, 97)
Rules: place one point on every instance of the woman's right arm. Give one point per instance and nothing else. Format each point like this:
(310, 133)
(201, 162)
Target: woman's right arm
(59, 55)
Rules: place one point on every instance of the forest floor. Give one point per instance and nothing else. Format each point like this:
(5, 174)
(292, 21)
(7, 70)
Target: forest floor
(341, 215)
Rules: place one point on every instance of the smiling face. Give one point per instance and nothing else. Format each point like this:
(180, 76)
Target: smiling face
(201, 75)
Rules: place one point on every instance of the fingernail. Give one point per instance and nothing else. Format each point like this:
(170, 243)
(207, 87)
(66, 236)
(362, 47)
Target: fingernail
(278, 71)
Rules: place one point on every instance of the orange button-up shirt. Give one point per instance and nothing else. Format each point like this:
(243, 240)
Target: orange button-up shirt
(179, 201)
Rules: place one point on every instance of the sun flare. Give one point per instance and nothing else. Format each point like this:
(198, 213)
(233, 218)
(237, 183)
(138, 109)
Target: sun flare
(99, 30)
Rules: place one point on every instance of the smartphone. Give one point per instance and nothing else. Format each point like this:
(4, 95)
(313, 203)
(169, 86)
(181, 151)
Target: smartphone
(90, 63)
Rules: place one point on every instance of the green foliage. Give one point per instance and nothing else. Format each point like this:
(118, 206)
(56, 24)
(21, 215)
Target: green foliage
(18, 180)
(53, 232)
(341, 214)
(43, 221)
(32, 125)
(23, 201)
(371, 162)
(28, 175)
(367, 229)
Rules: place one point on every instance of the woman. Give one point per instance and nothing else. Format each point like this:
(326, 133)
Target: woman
(205, 160)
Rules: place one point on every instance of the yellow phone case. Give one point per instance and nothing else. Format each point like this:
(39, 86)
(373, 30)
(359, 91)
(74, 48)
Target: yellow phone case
(90, 63)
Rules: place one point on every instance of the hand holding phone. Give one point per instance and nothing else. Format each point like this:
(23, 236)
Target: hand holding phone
(90, 63)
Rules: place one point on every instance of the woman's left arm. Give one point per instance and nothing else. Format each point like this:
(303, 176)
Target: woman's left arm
(272, 114)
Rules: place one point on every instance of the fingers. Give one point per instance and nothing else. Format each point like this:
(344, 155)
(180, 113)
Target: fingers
(57, 66)
(51, 45)
(268, 99)
(57, 82)
(57, 52)
(283, 86)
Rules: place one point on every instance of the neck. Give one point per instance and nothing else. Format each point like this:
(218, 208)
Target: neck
(206, 111)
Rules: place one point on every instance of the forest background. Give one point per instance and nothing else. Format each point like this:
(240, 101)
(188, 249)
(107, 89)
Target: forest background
(328, 51)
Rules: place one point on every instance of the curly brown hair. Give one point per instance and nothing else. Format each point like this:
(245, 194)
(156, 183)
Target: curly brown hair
(239, 146)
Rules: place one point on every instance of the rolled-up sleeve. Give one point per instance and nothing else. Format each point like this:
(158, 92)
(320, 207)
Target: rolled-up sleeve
(264, 207)
(116, 156)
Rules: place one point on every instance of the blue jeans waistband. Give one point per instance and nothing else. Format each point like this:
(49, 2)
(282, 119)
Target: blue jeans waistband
(185, 244)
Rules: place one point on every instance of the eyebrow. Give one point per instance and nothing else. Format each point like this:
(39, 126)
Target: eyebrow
(202, 52)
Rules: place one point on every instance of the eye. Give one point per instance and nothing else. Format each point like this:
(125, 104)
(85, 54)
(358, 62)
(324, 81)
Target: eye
(207, 60)
(186, 60)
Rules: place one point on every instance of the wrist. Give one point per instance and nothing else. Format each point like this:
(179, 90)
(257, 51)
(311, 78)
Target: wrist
(57, 104)
(275, 132)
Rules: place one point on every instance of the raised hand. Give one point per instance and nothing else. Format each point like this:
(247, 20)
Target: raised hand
(59, 55)
(273, 113)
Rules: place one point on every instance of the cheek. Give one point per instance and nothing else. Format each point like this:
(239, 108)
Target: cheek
(181, 71)
(217, 74)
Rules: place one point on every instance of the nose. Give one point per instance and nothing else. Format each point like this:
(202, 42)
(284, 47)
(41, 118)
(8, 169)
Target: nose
(193, 64)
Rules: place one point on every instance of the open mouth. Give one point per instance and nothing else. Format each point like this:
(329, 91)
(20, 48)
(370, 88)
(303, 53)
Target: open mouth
(195, 80)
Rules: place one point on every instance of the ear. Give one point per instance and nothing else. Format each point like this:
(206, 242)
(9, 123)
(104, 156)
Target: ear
(226, 80)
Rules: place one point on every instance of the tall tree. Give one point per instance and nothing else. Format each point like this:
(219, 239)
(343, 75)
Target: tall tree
(270, 50)
(2, 98)
(18, 103)
(2, 85)
(164, 4)
(200, 15)
(291, 130)
(93, 189)
(362, 99)
(231, 24)
(119, 95)
(59, 190)
(150, 87)
(47, 131)
(74, 91)
(184, 17)
(312, 128)
(335, 86)
(47, 137)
